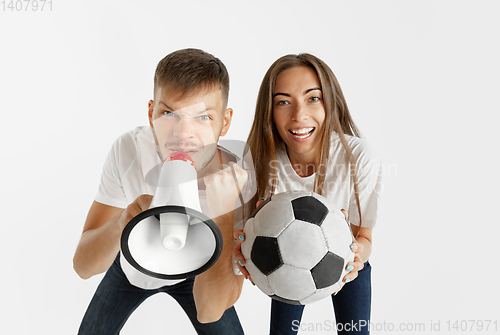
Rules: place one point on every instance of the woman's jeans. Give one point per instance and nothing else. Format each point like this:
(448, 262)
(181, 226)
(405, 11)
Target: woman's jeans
(115, 299)
(352, 309)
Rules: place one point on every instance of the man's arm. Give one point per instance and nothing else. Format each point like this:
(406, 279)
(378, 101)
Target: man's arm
(218, 288)
(100, 240)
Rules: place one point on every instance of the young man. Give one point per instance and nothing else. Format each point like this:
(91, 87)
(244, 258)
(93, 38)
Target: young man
(188, 114)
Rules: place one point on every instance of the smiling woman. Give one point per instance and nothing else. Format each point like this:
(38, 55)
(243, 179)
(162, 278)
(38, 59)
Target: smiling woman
(303, 138)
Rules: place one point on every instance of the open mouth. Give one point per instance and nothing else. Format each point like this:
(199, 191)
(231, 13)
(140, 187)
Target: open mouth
(302, 133)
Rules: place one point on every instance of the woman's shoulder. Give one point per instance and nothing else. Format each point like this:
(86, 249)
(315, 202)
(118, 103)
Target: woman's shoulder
(361, 149)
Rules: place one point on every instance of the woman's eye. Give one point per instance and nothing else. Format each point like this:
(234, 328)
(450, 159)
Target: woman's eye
(282, 102)
(314, 99)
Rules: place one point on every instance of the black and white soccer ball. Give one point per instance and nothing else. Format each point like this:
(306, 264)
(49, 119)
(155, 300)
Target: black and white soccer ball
(297, 246)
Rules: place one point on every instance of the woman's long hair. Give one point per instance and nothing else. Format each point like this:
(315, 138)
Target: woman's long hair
(264, 138)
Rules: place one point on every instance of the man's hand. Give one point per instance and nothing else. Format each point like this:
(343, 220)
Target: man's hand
(223, 188)
(218, 288)
(139, 205)
(100, 240)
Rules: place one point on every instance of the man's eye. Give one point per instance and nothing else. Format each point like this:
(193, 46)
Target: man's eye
(204, 118)
(167, 113)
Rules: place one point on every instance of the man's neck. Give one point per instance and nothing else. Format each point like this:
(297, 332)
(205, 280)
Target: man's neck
(214, 165)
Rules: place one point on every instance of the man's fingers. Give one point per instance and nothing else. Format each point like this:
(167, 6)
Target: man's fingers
(144, 201)
(139, 205)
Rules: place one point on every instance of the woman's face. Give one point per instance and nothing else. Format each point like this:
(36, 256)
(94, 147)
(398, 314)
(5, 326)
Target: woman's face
(299, 112)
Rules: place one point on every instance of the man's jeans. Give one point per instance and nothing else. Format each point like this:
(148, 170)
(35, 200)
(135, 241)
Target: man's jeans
(115, 299)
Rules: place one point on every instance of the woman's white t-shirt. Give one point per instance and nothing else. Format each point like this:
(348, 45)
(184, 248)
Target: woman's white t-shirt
(338, 185)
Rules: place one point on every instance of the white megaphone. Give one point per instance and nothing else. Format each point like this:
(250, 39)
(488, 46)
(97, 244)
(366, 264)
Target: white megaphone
(173, 239)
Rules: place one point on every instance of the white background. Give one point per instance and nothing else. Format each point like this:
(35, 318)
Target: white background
(421, 79)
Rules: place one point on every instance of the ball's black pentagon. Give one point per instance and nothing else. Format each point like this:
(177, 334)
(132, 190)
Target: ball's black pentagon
(286, 301)
(265, 254)
(259, 207)
(309, 209)
(328, 271)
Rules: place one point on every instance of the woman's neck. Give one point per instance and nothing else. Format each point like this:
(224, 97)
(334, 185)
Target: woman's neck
(304, 165)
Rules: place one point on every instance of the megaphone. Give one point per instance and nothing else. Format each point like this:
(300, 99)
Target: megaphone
(173, 239)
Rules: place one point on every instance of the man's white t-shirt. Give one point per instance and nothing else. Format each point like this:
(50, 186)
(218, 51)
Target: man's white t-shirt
(338, 186)
(130, 170)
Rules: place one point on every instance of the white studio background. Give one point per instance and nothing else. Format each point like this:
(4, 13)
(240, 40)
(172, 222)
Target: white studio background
(420, 78)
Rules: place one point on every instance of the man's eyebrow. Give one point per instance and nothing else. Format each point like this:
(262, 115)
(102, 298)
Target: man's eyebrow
(167, 106)
(210, 108)
(207, 109)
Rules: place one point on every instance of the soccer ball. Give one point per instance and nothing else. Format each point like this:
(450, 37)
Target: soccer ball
(297, 245)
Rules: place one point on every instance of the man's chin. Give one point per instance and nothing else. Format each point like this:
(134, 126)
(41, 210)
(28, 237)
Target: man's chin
(201, 161)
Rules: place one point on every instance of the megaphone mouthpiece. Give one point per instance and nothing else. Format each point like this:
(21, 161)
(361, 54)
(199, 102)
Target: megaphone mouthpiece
(179, 156)
(173, 230)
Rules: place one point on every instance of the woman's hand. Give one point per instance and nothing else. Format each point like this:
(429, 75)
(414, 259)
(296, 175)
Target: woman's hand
(355, 266)
(239, 235)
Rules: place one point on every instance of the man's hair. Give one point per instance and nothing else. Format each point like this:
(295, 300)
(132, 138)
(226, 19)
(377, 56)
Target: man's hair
(191, 71)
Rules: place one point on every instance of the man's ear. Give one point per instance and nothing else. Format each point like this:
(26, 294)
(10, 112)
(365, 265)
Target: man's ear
(150, 112)
(226, 121)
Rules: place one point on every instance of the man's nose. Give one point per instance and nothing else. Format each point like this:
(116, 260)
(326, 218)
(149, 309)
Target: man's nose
(184, 128)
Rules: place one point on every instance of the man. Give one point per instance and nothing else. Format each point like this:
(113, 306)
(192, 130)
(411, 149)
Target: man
(188, 114)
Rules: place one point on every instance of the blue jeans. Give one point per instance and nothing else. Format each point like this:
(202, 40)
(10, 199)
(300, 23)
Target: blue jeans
(115, 299)
(352, 307)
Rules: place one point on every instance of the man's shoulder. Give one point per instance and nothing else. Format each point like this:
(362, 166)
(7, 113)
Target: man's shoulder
(129, 143)
(227, 156)
(131, 137)
(128, 146)
(228, 151)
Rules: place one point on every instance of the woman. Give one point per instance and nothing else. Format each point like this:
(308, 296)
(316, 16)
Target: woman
(303, 138)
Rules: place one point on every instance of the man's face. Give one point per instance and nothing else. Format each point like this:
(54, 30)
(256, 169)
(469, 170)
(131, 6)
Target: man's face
(191, 124)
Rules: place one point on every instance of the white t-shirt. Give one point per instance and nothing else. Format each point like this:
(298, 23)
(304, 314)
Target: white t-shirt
(338, 186)
(131, 169)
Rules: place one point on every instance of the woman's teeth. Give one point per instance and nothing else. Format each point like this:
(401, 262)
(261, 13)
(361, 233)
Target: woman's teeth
(302, 133)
